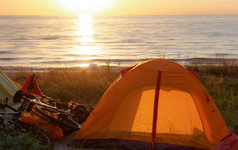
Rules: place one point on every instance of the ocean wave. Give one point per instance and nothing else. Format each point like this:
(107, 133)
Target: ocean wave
(50, 38)
(126, 62)
(5, 52)
(7, 59)
(93, 60)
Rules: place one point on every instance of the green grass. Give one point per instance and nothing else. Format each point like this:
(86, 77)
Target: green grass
(222, 84)
(87, 87)
(23, 141)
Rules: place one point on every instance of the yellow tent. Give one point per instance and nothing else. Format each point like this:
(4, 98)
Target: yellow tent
(157, 101)
(7, 89)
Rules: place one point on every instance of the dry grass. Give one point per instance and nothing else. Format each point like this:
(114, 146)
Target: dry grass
(71, 84)
(87, 87)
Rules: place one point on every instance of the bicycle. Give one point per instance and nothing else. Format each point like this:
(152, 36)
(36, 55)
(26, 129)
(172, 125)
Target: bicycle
(76, 112)
(10, 126)
(42, 108)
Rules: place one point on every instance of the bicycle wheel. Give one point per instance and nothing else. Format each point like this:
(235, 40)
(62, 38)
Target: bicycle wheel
(35, 133)
(58, 118)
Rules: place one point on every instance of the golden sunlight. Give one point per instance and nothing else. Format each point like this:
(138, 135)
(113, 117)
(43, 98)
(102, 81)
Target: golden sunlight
(86, 6)
(85, 37)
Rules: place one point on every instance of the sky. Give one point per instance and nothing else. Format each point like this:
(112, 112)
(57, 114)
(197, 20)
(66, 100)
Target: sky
(119, 7)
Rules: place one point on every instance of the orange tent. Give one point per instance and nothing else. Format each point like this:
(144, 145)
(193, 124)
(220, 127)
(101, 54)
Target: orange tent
(157, 101)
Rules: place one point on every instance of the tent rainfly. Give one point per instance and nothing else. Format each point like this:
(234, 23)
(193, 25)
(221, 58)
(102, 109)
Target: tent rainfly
(156, 101)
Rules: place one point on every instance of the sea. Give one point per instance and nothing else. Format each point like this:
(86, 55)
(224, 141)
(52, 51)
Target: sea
(85, 40)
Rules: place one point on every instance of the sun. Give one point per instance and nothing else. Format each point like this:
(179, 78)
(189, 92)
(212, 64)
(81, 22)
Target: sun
(86, 6)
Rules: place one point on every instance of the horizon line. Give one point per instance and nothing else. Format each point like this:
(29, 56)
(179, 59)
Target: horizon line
(127, 15)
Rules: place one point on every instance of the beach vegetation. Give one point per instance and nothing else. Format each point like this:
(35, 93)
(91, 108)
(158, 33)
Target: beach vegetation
(23, 141)
(88, 86)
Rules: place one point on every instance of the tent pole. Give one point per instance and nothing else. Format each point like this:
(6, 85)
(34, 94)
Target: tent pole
(155, 116)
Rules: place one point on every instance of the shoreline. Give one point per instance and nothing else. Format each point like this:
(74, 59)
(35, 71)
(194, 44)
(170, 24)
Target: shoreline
(198, 61)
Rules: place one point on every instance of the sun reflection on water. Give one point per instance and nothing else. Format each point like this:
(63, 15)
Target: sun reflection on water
(85, 47)
(85, 24)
